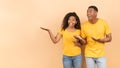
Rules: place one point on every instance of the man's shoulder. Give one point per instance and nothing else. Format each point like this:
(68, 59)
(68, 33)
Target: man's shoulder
(85, 23)
(102, 20)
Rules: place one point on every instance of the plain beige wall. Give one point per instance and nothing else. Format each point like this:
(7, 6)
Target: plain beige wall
(24, 45)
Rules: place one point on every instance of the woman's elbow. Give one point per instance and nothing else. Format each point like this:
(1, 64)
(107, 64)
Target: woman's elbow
(110, 40)
(55, 42)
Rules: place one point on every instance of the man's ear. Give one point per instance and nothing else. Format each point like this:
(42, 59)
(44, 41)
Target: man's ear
(96, 13)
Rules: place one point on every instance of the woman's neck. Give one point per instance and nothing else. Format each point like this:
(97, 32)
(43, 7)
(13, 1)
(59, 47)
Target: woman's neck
(71, 29)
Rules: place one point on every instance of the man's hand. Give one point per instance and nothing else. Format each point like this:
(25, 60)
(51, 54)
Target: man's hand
(108, 38)
(98, 40)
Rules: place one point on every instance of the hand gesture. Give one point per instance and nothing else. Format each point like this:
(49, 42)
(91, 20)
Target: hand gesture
(98, 40)
(44, 29)
(77, 43)
(77, 37)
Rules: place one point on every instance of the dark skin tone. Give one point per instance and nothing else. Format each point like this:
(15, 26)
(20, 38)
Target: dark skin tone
(55, 39)
(92, 17)
(44, 29)
(75, 42)
(80, 40)
(108, 38)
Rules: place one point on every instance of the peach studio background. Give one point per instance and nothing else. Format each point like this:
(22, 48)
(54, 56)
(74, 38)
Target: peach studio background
(24, 45)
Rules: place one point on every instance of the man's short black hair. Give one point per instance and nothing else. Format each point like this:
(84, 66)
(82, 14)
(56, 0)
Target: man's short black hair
(94, 7)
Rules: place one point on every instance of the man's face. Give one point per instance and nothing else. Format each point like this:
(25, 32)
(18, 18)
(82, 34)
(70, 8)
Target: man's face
(91, 14)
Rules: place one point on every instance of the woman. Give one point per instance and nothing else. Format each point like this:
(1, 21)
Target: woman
(70, 33)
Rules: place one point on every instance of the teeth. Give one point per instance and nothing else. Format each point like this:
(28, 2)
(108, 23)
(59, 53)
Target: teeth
(71, 24)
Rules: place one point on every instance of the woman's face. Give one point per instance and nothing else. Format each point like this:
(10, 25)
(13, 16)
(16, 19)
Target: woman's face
(72, 21)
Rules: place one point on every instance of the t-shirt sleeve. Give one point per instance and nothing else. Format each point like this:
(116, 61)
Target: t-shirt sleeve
(60, 31)
(107, 28)
(83, 35)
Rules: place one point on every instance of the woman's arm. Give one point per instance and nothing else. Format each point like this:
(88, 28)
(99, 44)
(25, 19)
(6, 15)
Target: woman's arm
(81, 40)
(54, 39)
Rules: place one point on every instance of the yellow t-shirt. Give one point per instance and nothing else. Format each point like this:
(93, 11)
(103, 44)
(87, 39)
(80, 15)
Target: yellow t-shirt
(69, 48)
(98, 30)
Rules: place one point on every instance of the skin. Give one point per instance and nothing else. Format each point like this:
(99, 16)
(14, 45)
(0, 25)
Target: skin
(80, 40)
(55, 39)
(92, 18)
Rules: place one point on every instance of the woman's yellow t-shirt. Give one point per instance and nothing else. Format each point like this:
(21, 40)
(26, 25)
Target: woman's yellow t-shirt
(69, 48)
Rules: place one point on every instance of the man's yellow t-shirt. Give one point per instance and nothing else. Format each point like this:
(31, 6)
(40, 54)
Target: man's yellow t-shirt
(69, 48)
(98, 30)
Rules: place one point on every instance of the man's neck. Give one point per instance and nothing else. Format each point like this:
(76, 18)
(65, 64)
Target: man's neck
(93, 21)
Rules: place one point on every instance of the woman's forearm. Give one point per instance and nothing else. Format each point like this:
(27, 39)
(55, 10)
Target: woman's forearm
(54, 39)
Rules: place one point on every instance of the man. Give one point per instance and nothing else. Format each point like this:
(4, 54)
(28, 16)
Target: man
(96, 32)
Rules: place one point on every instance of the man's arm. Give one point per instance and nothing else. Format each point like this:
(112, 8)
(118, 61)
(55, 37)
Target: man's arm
(107, 38)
